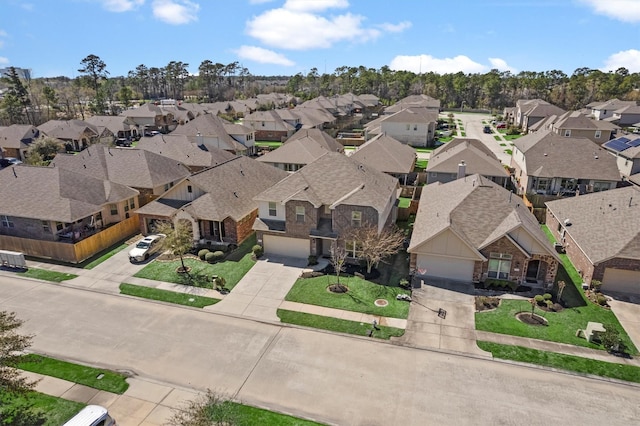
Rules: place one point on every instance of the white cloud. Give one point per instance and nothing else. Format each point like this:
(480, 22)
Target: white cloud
(175, 12)
(427, 63)
(121, 5)
(501, 65)
(623, 10)
(3, 33)
(314, 5)
(3, 60)
(263, 56)
(259, 1)
(395, 28)
(287, 29)
(629, 59)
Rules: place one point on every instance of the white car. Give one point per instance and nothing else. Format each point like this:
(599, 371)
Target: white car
(146, 247)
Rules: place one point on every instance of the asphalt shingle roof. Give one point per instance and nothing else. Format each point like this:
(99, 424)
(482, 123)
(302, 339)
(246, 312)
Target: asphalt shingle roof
(181, 149)
(386, 154)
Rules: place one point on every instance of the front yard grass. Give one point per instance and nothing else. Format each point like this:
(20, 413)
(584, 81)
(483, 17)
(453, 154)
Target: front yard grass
(51, 410)
(232, 271)
(102, 256)
(404, 202)
(498, 138)
(421, 163)
(629, 373)
(82, 374)
(45, 274)
(167, 296)
(359, 298)
(270, 144)
(512, 137)
(336, 324)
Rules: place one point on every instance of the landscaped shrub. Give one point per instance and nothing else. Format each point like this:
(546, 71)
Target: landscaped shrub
(538, 298)
(218, 255)
(549, 304)
(595, 285)
(311, 274)
(257, 250)
(202, 253)
(601, 300)
(312, 260)
(210, 257)
(404, 283)
(547, 296)
(219, 247)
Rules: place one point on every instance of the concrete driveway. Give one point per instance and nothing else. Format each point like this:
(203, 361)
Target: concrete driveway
(262, 289)
(454, 331)
(628, 313)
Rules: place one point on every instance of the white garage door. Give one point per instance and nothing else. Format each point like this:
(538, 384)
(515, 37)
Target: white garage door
(283, 246)
(621, 280)
(446, 267)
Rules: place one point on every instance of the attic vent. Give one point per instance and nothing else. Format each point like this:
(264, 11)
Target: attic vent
(242, 172)
(595, 157)
(235, 194)
(545, 154)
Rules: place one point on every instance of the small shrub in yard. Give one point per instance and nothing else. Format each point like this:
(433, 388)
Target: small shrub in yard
(257, 250)
(210, 257)
(549, 304)
(404, 283)
(218, 255)
(312, 260)
(602, 300)
(547, 296)
(538, 298)
(203, 253)
(311, 274)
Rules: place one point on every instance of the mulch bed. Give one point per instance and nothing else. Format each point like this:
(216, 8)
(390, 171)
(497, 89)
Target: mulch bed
(351, 270)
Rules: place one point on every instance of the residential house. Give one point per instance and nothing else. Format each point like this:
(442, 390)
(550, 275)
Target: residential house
(75, 134)
(182, 150)
(210, 131)
(607, 109)
(387, 155)
(15, 139)
(269, 126)
(529, 111)
(577, 124)
(119, 126)
(546, 163)
(307, 212)
(463, 157)
(151, 117)
(149, 173)
(627, 152)
(600, 234)
(180, 114)
(313, 118)
(60, 214)
(471, 230)
(414, 101)
(303, 147)
(217, 201)
(411, 126)
(627, 116)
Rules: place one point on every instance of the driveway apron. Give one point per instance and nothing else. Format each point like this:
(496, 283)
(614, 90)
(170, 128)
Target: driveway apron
(262, 289)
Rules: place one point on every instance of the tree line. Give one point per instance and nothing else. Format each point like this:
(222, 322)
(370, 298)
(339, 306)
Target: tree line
(94, 91)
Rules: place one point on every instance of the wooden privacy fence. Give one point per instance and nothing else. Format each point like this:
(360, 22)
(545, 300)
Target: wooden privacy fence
(73, 252)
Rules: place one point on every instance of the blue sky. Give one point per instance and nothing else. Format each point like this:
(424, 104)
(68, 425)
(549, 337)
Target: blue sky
(284, 37)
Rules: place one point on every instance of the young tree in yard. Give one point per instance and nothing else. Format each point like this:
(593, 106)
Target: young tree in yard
(561, 286)
(338, 257)
(42, 151)
(210, 409)
(373, 246)
(178, 240)
(12, 345)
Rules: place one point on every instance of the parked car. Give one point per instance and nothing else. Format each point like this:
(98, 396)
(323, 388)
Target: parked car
(146, 247)
(123, 142)
(486, 129)
(9, 161)
(501, 125)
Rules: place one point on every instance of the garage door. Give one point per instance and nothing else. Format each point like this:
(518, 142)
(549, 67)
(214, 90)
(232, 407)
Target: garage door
(446, 267)
(283, 246)
(621, 280)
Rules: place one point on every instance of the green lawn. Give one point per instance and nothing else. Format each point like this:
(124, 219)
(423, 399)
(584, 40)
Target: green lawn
(104, 255)
(629, 373)
(44, 274)
(88, 376)
(424, 150)
(359, 298)
(167, 296)
(445, 138)
(503, 144)
(508, 151)
(404, 202)
(421, 164)
(512, 137)
(336, 324)
(270, 144)
(498, 138)
(463, 134)
(51, 411)
(231, 271)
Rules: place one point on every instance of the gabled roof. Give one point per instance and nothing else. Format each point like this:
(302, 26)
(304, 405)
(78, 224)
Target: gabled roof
(413, 101)
(180, 149)
(335, 179)
(268, 116)
(464, 141)
(67, 130)
(579, 121)
(411, 115)
(548, 154)
(476, 160)
(542, 110)
(611, 104)
(132, 167)
(303, 147)
(477, 210)
(604, 224)
(143, 111)
(114, 123)
(209, 126)
(52, 193)
(313, 117)
(17, 136)
(386, 154)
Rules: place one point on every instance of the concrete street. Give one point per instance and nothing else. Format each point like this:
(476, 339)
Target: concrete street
(473, 128)
(332, 378)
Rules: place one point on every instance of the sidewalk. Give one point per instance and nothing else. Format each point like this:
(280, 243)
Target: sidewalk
(346, 315)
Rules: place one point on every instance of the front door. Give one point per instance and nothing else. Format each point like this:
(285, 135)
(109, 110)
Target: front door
(532, 270)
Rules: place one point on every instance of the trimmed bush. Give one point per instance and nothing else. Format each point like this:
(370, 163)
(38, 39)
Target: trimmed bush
(218, 255)
(311, 274)
(219, 247)
(210, 257)
(312, 260)
(203, 253)
(547, 296)
(538, 298)
(601, 300)
(257, 250)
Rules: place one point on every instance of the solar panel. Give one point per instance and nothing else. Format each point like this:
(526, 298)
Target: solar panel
(616, 145)
(635, 142)
(623, 139)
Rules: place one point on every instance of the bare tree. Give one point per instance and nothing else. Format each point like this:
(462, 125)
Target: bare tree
(561, 286)
(375, 246)
(338, 258)
(178, 240)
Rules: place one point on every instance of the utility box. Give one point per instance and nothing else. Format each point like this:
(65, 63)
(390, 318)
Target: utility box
(593, 331)
(12, 259)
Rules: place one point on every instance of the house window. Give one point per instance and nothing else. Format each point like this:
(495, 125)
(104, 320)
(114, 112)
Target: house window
(356, 219)
(408, 126)
(353, 249)
(327, 209)
(263, 124)
(6, 222)
(499, 265)
(567, 133)
(598, 134)
(45, 226)
(114, 209)
(189, 189)
(59, 226)
(542, 184)
(601, 186)
(300, 214)
(166, 186)
(132, 203)
(415, 127)
(272, 209)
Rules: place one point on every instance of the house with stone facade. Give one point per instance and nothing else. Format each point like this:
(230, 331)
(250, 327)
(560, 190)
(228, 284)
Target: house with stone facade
(15, 140)
(75, 134)
(308, 211)
(269, 126)
(217, 201)
(151, 117)
(471, 230)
